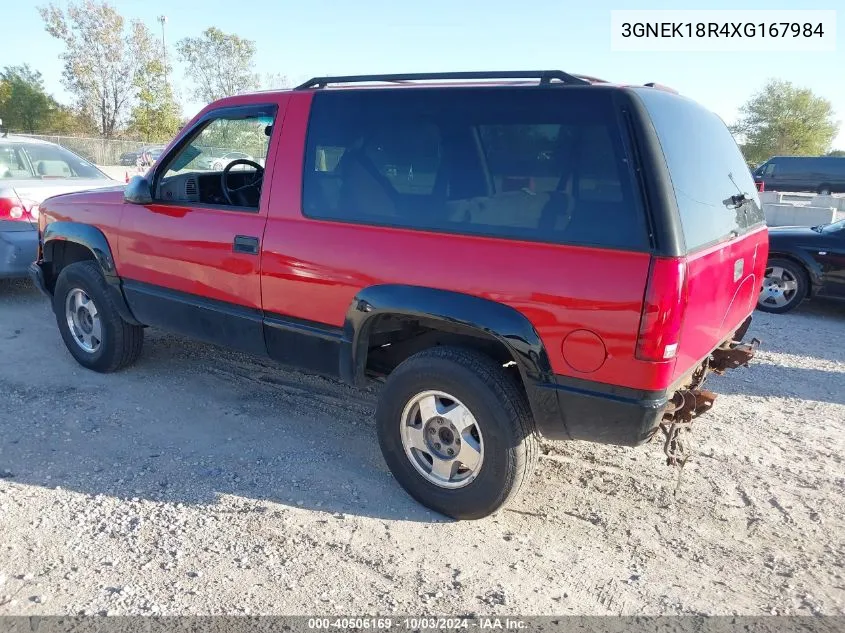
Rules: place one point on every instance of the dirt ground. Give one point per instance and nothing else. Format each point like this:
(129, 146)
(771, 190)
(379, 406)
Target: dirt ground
(203, 482)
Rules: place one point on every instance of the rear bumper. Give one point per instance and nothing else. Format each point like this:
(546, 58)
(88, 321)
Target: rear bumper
(595, 412)
(575, 409)
(18, 249)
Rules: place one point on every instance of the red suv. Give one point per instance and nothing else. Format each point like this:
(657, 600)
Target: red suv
(513, 254)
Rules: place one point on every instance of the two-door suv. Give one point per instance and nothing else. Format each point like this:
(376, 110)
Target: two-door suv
(515, 254)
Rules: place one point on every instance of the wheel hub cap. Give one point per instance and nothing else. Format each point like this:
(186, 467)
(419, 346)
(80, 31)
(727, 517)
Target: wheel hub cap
(83, 320)
(442, 439)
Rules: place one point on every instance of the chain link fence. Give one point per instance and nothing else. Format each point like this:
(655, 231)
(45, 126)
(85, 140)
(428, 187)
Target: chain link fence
(100, 151)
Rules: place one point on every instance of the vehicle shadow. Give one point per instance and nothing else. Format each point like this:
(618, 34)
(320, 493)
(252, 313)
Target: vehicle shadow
(190, 423)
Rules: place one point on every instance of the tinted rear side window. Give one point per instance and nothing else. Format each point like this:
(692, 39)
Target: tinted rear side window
(706, 169)
(534, 164)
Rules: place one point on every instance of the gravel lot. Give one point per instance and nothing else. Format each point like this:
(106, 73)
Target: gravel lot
(203, 482)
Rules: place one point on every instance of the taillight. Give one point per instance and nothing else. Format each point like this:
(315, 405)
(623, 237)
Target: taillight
(663, 310)
(13, 208)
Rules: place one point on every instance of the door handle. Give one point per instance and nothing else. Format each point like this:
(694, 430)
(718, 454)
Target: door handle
(246, 244)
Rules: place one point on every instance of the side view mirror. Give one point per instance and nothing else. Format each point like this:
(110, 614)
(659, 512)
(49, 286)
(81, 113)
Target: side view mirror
(138, 191)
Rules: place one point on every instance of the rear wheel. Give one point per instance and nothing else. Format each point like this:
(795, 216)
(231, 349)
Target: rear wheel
(456, 431)
(89, 322)
(784, 286)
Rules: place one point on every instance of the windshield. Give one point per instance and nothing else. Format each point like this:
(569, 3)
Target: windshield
(36, 161)
(833, 228)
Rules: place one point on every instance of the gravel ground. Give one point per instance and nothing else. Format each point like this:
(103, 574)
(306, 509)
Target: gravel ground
(203, 482)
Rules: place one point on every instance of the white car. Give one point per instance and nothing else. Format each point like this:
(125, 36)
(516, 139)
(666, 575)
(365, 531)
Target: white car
(31, 171)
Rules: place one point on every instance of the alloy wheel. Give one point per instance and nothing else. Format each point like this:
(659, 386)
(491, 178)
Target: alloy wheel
(442, 439)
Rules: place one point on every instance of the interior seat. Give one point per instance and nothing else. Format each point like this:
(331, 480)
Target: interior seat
(364, 191)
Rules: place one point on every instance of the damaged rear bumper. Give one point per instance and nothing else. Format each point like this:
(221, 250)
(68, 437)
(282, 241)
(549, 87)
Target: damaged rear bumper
(628, 417)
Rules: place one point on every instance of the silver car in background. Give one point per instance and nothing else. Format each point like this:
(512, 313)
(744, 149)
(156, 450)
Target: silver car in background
(31, 171)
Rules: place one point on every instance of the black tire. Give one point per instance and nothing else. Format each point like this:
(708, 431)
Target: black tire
(790, 269)
(121, 341)
(502, 414)
(824, 190)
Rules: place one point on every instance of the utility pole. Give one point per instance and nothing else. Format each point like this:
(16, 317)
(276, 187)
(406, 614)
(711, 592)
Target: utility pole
(163, 20)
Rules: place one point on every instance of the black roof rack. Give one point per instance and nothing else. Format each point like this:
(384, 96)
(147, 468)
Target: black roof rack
(545, 77)
(658, 86)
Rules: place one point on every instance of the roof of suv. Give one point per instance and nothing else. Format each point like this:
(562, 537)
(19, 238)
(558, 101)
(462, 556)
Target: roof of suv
(456, 80)
(463, 78)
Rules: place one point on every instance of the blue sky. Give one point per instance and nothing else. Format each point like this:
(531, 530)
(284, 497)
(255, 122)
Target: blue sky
(317, 37)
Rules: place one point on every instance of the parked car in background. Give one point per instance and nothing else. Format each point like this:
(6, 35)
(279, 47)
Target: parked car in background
(132, 157)
(818, 174)
(503, 256)
(218, 161)
(803, 262)
(31, 171)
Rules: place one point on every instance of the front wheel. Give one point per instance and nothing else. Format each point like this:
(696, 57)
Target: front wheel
(93, 331)
(784, 286)
(456, 431)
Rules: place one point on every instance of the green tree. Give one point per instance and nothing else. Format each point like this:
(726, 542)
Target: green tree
(26, 107)
(837, 152)
(156, 115)
(24, 104)
(102, 58)
(66, 120)
(783, 119)
(218, 64)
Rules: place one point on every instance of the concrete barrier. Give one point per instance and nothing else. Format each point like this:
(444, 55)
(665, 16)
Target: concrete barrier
(835, 202)
(795, 215)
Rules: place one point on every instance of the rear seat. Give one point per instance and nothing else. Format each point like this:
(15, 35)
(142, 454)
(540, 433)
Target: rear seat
(52, 169)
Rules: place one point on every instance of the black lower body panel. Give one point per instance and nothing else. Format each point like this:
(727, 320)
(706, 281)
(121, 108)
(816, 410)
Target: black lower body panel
(601, 413)
(305, 345)
(200, 318)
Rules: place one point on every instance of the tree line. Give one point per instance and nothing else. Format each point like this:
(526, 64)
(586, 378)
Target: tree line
(118, 74)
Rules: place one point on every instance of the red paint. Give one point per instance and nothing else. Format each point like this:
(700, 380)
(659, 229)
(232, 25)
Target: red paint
(717, 303)
(584, 351)
(311, 269)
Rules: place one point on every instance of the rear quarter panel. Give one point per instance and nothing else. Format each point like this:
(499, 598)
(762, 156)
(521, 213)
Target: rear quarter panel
(717, 301)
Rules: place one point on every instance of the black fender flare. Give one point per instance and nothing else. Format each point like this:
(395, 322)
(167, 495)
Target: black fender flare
(85, 235)
(95, 241)
(489, 318)
(813, 268)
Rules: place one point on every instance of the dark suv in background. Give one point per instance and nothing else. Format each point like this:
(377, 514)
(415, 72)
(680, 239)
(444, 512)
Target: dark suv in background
(819, 174)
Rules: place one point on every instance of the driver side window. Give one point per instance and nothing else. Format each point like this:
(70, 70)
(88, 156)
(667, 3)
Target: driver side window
(222, 164)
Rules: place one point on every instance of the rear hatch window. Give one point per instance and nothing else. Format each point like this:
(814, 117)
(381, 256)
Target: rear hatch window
(706, 168)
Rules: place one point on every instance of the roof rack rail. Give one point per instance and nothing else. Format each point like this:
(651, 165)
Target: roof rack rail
(545, 77)
(657, 86)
